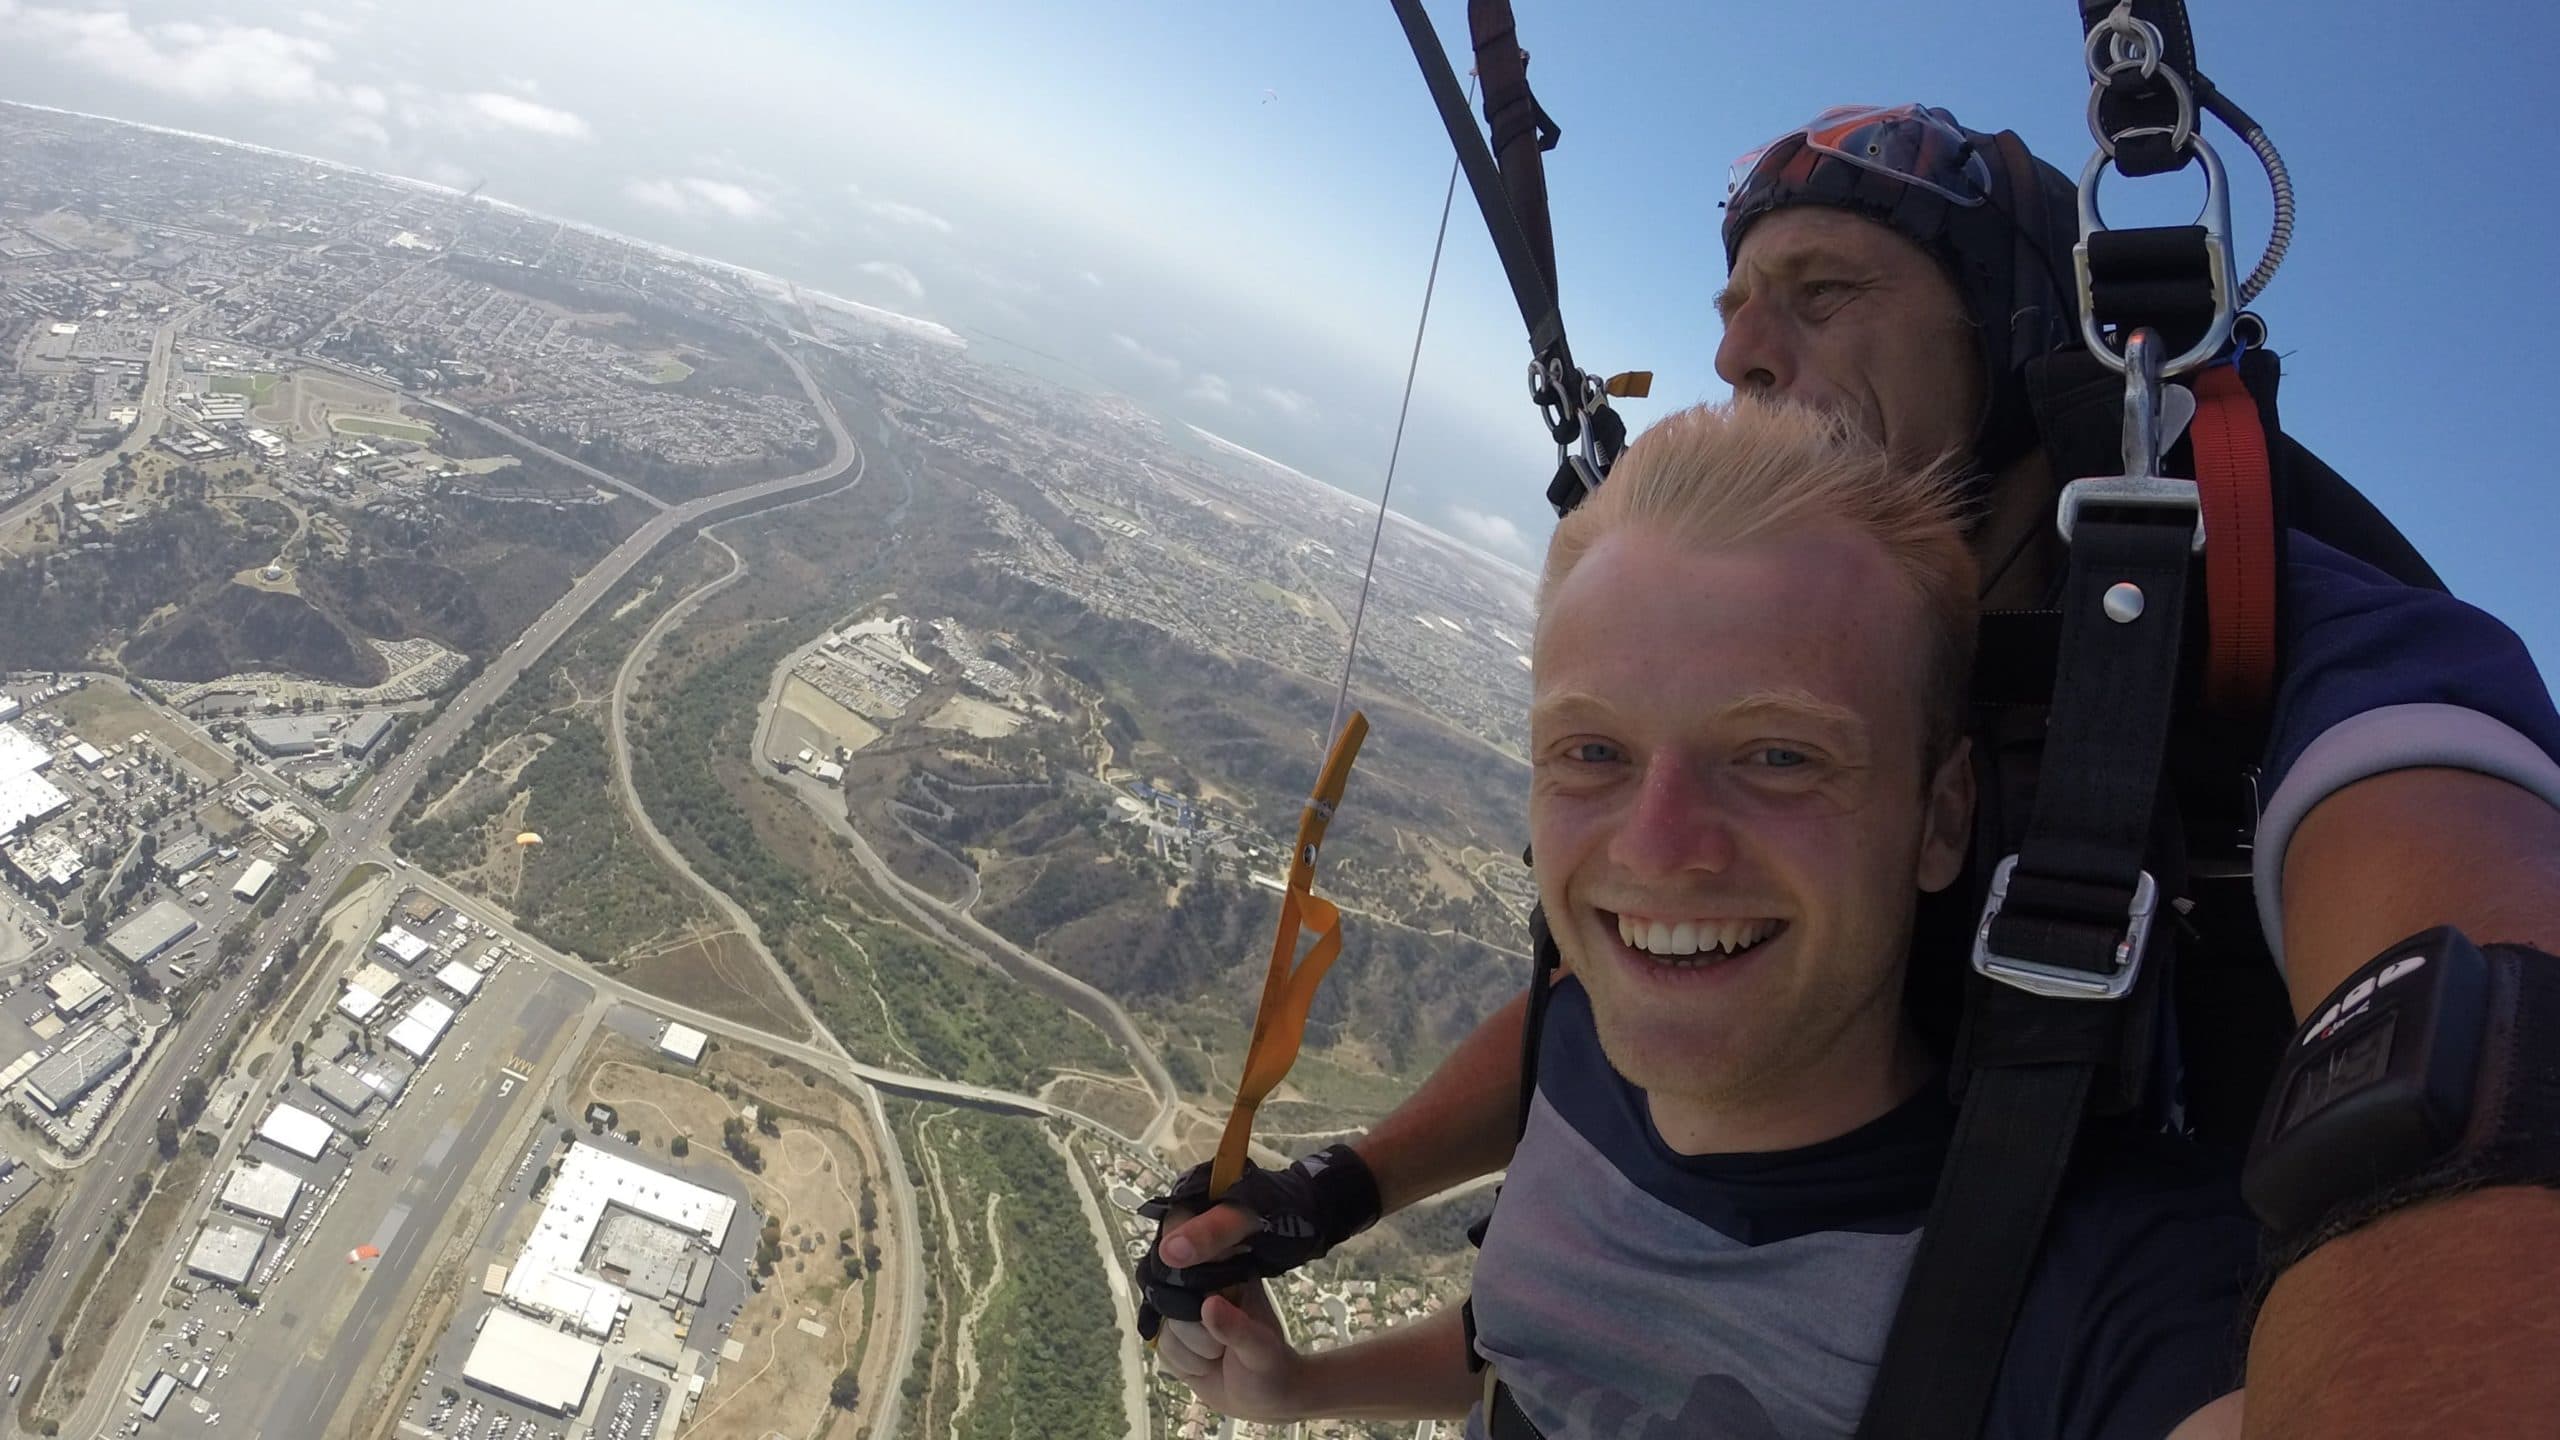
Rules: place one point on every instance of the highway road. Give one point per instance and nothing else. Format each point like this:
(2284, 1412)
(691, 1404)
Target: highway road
(528, 442)
(360, 837)
(963, 931)
(152, 410)
(128, 1145)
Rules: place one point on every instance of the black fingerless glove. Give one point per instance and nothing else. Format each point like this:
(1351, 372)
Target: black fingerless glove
(1317, 1203)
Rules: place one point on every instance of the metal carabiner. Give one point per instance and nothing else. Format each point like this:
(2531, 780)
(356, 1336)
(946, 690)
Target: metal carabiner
(2141, 486)
(2216, 220)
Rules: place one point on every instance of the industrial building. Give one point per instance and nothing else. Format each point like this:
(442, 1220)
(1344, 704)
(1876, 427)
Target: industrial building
(374, 976)
(278, 736)
(530, 1362)
(548, 1277)
(153, 1396)
(419, 1030)
(459, 978)
(370, 987)
(183, 854)
(262, 1191)
(342, 1088)
(297, 1130)
(402, 946)
(363, 733)
(60, 1080)
(227, 1253)
(682, 1042)
(143, 938)
(253, 881)
(26, 797)
(359, 1004)
(49, 862)
(89, 756)
(27, 800)
(76, 990)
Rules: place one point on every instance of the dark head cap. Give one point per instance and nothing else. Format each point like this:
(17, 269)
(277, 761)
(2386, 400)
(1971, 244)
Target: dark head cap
(2000, 222)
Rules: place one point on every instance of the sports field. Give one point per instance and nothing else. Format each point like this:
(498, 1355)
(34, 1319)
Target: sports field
(256, 387)
(380, 425)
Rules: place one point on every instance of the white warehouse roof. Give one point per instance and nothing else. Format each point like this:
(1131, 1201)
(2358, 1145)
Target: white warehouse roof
(297, 1130)
(528, 1361)
(227, 1253)
(266, 1191)
(402, 944)
(420, 1029)
(253, 879)
(683, 1042)
(546, 1276)
(459, 978)
(359, 1004)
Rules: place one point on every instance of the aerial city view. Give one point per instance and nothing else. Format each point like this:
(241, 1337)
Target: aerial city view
(600, 843)
(662, 668)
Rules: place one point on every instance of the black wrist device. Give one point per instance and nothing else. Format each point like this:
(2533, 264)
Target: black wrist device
(1315, 1204)
(2433, 1069)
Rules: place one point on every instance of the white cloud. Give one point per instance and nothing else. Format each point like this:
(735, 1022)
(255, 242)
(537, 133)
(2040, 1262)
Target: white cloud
(1489, 532)
(1211, 388)
(898, 212)
(1287, 402)
(1156, 360)
(696, 197)
(216, 62)
(486, 111)
(1090, 279)
(362, 131)
(896, 274)
(222, 62)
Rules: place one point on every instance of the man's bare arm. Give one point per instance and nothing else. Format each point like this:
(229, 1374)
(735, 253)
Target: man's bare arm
(1460, 1125)
(2442, 1319)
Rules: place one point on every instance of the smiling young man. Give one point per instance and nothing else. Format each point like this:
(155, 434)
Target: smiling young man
(1913, 284)
(1747, 766)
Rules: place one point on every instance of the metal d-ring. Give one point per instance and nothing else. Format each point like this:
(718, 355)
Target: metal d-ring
(2216, 220)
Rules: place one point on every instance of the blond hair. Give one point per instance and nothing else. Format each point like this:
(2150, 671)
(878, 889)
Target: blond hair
(1726, 475)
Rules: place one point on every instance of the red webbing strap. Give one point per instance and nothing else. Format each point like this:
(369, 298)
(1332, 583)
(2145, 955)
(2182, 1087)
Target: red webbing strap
(2236, 489)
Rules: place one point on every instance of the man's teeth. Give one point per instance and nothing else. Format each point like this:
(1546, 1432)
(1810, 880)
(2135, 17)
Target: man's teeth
(1693, 937)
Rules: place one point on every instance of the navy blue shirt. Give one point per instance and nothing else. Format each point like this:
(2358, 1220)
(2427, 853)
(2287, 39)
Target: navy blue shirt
(2382, 676)
(1626, 1290)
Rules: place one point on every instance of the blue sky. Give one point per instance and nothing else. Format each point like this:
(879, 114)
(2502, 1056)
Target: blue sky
(1226, 209)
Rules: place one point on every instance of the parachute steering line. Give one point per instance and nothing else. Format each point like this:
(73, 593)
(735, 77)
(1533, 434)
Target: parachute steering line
(1289, 983)
(1342, 692)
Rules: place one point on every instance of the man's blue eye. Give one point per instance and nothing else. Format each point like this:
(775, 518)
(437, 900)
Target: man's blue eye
(1592, 752)
(1780, 757)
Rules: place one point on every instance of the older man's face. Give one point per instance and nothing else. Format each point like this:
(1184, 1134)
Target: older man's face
(1830, 310)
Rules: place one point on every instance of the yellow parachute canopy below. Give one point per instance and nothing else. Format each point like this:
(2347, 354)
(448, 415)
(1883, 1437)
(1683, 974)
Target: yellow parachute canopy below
(528, 838)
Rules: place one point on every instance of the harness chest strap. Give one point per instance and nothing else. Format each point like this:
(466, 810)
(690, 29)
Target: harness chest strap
(2053, 1012)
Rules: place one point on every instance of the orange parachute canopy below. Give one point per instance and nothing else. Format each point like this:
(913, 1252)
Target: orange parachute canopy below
(362, 1253)
(528, 838)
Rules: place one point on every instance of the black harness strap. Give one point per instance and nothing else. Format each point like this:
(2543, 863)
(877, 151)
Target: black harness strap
(1531, 284)
(2052, 1017)
(2148, 105)
(1520, 128)
(1511, 191)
